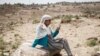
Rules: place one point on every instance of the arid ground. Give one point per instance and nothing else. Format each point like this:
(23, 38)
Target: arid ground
(81, 25)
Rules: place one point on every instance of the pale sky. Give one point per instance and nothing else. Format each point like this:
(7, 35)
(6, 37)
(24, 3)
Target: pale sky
(40, 1)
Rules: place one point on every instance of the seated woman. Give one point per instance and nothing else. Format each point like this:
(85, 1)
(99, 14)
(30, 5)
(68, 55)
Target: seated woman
(45, 37)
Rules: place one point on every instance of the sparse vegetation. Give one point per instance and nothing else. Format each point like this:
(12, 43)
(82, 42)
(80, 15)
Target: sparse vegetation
(67, 18)
(2, 46)
(6, 47)
(77, 17)
(92, 42)
(7, 9)
(16, 44)
(16, 35)
(35, 21)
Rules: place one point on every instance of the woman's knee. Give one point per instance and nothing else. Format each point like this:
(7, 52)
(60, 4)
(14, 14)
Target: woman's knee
(64, 40)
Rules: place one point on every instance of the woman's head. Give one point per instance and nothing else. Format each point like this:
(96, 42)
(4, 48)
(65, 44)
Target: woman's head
(46, 19)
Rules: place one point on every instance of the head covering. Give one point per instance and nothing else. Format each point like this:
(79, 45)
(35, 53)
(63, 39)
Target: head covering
(41, 29)
(45, 17)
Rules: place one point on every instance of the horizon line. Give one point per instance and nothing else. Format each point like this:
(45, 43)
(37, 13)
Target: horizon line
(52, 2)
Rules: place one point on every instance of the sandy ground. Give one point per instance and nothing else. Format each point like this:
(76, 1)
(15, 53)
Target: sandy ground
(76, 32)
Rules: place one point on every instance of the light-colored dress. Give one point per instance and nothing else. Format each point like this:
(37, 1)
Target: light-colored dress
(50, 43)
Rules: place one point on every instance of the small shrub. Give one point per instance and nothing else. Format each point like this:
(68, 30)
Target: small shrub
(99, 42)
(53, 6)
(91, 42)
(11, 23)
(16, 35)
(35, 21)
(85, 15)
(67, 18)
(99, 17)
(77, 17)
(15, 45)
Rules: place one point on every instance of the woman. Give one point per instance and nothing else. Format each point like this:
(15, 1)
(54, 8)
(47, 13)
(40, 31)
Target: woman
(45, 37)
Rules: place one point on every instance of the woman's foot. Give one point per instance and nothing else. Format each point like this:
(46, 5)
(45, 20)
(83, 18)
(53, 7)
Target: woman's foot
(58, 54)
(70, 55)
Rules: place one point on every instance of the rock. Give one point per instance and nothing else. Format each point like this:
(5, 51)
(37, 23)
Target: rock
(97, 53)
(26, 50)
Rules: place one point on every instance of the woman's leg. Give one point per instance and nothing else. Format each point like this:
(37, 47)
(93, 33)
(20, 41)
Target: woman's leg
(62, 44)
(66, 47)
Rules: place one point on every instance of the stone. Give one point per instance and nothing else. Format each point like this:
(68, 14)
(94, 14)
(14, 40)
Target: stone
(26, 49)
(97, 53)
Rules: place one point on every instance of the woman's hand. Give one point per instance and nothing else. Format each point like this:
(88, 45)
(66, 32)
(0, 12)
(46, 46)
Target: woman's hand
(58, 39)
(58, 28)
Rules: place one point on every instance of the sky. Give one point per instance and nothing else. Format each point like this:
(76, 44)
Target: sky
(41, 1)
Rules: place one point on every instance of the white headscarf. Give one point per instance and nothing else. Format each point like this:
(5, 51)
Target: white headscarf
(41, 29)
(45, 17)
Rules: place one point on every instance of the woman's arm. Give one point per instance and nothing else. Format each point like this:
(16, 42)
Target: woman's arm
(54, 34)
(35, 42)
(57, 30)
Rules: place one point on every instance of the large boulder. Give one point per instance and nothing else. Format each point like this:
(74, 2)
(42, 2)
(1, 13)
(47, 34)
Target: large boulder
(26, 49)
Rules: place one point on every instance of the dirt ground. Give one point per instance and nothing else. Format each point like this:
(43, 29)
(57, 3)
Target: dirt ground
(76, 32)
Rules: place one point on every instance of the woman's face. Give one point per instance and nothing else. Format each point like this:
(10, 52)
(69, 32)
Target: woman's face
(47, 22)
